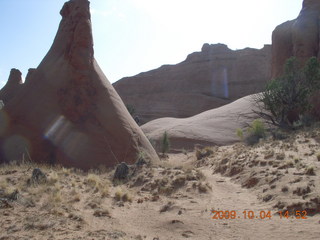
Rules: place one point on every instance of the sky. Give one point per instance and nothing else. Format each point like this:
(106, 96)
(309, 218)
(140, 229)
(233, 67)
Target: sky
(133, 36)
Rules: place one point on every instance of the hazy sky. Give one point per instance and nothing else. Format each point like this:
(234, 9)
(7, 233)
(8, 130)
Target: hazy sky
(132, 36)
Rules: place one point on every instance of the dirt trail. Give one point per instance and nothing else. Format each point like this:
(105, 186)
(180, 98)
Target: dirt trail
(189, 215)
(229, 196)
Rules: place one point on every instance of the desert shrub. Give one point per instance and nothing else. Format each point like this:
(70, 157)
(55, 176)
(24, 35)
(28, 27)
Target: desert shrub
(253, 133)
(310, 171)
(204, 152)
(286, 99)
(165, 143)
(141, 158)
(121, 195)
(239, 132)
(257, 128)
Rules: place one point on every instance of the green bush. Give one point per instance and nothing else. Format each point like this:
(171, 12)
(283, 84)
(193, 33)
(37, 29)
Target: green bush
(165, 146)
(253, 133)
(239, 132)
(286, 99)
(257, 128)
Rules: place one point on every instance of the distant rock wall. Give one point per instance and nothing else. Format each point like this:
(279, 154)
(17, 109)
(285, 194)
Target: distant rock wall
(299, 37)
(205, 80)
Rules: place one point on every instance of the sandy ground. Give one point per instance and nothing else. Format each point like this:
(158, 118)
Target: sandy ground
(174, 200)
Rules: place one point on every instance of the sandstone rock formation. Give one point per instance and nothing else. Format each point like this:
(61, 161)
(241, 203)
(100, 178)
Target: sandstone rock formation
(12, 87)
(205, 80)
(67, 112)
(299, 37)
(213, 127)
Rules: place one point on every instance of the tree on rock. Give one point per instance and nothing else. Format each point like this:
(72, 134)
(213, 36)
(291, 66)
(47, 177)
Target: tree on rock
(288, 98)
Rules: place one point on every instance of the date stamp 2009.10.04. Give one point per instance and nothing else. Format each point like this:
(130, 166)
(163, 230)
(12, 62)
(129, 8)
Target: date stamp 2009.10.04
(218, 214)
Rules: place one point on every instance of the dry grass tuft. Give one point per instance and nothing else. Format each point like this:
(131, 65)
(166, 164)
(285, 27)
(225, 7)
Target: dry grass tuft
(310, 171)
(97, 184)
(122, 195)
(204, 152)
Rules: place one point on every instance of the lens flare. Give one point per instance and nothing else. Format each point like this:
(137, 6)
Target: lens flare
(220, 83)
(225, 83)
(64, 135)
(58, 130)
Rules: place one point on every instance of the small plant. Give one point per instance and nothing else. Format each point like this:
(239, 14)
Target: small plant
(97, 184)
(53, 178)
(184, 151)
(203, 187)
(289, 164)
(92, 180)
(280, 156)
(310, 171)
(165, 143)
(54, 196)
(239, 132)
(257, 128)
(255, 132)
(141, 158)
(120, 195)
(318, 157)
(202, 153)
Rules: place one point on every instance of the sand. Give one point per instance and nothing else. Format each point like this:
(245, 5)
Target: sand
(174, 200)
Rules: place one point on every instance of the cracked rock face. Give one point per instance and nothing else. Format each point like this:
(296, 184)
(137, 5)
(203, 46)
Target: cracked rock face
(67, 112)
(299, 37)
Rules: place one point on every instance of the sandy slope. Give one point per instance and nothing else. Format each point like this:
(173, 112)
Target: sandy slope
(173, 200)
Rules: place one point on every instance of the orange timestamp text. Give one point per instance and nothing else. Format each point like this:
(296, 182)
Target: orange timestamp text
(257, 215)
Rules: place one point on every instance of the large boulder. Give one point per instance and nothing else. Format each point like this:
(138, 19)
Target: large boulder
(213, 127)
(205, 80)
(299, 37)
(67, 112)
